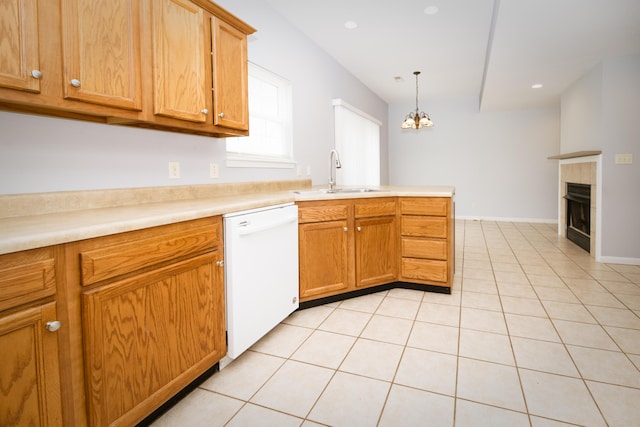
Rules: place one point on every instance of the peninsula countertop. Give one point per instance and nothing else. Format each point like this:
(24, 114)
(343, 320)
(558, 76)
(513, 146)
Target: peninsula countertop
(45, 219)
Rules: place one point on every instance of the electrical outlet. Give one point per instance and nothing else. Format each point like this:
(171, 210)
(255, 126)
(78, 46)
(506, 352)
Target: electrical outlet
(308, 170)
(213, 170)
(299, 172)
(624, 159)
(174, 170)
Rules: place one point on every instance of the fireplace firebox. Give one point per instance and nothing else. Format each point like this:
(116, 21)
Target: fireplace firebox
(578, 198)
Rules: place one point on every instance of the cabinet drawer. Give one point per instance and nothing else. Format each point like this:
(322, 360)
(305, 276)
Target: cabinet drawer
(140, 252)
(424, 248)
(376, 208)
(424, 269)
(436, 206)
(419, 226)
(321, 213)
(26, 276)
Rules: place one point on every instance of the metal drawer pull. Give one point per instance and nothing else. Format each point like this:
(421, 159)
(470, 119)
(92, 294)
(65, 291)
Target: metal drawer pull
(359, 228)
(220, 263)
(221, 115)
(53, 326)
(36, 74)
(75, 82)
(205, 111)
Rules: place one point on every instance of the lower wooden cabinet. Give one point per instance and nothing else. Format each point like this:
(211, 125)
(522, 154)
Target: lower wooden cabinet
(346, 245)
(30, 391)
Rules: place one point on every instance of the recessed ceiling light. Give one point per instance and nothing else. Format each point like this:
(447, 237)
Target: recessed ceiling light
(350, 25)
(398, 79)
(431, 10)
(536, 86)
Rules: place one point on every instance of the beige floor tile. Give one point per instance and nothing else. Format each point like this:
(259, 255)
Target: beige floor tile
(520, 291)
(282, 341)
(619, 288)
(605, 366)
(538, 269)
(631, 301)
(560, 398)
(410, 407)
(537, 328)
(568, 311)
(323, 348)
(474, 273)
(428, 370)
(622, 318)
(472, 414)
(479, 285)
(481, 301)
(294, 397)
(399, 307)
(489, 383)
(429, 336)
(483, 320)
(373, 359)
(584, 334)
(346, 322)
(556, 294)
(441, 298)
(584, 285)
(310, 317)
(388, 329)
(525, 306)
(618, 404)
(474, 264)
(509, 277)
(549, 281)
(507, 267)
(253, 415)
(604, 299)
(200, 408)
(244, 376)
(439, 313)
(365, 303)
(351, 400)
(411, 294)
(627, 339)
(545, 422)
(486, 346)
(543, 356)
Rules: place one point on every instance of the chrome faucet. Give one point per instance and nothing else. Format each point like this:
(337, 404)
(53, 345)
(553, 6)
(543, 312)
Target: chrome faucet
(332, 170)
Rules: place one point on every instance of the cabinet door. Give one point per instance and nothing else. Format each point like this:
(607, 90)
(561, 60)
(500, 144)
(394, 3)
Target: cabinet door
(230, 76)
(376, 255)
(19, 59)
(101, 52)
(181, 72)
(148, 336)
(29, 372)
(323, 259)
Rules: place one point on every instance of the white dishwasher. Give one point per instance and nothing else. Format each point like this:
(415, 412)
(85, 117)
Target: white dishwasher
(261, 272)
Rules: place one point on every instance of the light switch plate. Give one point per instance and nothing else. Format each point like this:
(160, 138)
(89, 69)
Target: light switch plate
(174, 170)
(213, 170)
(624, 159)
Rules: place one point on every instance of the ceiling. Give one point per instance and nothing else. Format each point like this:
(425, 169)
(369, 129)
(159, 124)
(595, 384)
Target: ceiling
(494, 49)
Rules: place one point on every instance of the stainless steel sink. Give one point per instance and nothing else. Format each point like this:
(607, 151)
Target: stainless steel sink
(336, 191)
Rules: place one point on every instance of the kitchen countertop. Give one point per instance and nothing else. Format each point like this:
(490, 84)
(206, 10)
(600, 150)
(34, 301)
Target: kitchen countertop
(72, 216)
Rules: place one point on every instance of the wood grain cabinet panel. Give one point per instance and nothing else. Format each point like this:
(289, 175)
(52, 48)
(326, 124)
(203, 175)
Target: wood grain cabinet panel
(424, 226)
(101, 52)
(375, 246)
(26, 276)
(424, 248)
(19, 49)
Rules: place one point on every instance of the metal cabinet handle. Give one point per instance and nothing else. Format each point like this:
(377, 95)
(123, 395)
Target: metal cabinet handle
(205, 111)
(220, 263)
(359, 228)
(221, 115)
(75, 82)
(346, 229)
(53, 326)
(36, 74)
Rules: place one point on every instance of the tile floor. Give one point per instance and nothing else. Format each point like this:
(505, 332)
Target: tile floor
(535, 333)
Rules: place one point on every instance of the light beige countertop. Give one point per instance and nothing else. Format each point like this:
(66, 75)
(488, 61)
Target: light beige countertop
(35, 220)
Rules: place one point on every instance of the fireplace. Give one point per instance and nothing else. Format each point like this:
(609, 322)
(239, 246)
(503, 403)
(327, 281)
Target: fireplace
(578, 197)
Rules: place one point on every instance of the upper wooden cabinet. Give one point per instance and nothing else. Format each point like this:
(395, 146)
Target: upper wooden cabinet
(101, 52)
(181, 68)
(230, 76)
(177, 65)
(20, 64)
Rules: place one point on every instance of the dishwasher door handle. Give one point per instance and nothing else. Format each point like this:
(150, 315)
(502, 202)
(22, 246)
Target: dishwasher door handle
(246, 228)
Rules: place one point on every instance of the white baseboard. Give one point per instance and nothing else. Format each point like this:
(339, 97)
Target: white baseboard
(619, 260)
(503, 219)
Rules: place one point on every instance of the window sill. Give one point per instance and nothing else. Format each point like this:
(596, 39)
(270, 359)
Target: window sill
(239, 160)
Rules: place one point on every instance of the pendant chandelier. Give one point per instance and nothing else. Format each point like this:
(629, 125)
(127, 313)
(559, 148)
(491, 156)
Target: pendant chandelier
(417, 119)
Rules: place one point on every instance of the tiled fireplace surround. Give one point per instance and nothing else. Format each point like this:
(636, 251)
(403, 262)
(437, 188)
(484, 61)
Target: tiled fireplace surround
(579, 171)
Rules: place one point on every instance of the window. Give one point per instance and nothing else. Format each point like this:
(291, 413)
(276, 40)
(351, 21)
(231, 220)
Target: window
(270, 140)
(357, 137)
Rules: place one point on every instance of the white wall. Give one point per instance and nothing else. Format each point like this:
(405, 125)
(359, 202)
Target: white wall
(47, 154)
(496, 160)
(600, 111)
